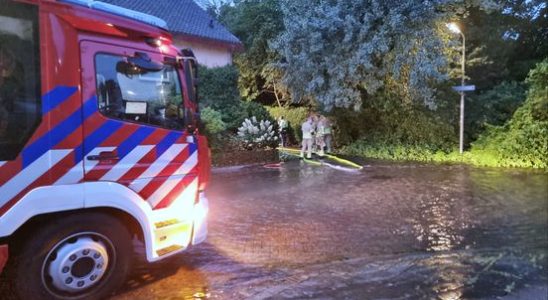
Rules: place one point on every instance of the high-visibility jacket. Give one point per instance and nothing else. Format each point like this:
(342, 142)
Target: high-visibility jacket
(320, 129)
(307, 129)
(327, 129)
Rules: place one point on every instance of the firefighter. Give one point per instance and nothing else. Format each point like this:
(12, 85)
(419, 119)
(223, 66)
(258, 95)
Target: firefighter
(328, 134)
(320, 132)
(314, 120)
(307, 129)
(282, 124)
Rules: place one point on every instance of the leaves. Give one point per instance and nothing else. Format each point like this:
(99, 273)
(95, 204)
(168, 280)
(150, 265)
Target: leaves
(213, 121)
(523, 141)
(494, 107)
(340, 53)
(256, 23)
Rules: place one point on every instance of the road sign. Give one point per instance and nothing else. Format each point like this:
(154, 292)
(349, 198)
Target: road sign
(464, 88)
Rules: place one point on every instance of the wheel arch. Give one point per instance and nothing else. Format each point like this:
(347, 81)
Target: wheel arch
(19, 236)
(38, 206)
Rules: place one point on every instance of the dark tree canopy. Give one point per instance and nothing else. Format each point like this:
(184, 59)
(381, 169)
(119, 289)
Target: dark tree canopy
(255, 23)
(340, 52)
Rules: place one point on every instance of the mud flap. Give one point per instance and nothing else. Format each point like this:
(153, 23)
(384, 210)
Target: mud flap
(3, 256)
(201, 210)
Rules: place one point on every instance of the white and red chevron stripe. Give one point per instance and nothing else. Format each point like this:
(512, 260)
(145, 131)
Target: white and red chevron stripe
(169, 170)
(171, 182)
(154, 162)
(29, 175)
(10, 169)
(151, 168)
(185, 190)
(156, 167)
(126, 163)
(165, 178)
(76, 173)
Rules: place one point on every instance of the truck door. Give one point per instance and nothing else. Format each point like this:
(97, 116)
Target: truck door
(134, 133)
(28, 149)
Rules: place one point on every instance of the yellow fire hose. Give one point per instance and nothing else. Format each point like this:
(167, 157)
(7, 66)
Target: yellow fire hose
(312, 162)
(296, 152)
(330, 156)
(289, 149)
(344, 161)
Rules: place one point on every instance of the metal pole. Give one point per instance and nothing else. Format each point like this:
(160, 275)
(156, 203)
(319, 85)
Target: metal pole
(461, 129)
(463, 62)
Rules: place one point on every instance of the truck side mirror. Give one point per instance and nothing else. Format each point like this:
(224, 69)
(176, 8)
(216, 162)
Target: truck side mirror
(143, 61)
(201, 125)
(190, 122)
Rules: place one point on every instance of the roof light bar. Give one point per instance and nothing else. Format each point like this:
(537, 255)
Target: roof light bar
(120, 11)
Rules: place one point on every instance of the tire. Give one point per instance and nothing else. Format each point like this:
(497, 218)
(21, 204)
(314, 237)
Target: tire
(76, 257)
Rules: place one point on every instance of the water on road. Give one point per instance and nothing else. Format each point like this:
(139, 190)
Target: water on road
(390, 231)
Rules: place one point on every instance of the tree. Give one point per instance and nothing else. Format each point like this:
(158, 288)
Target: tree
(256, 23)
(523, 140)
(218, 90)
(492, 107)
(529, 28)
(342, 52)
(213, 7)
(504, 44)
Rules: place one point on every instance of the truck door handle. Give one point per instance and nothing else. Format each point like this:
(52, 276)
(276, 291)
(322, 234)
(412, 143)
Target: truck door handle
(103, 156)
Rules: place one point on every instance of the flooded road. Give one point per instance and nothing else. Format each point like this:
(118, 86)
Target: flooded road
(390, 231)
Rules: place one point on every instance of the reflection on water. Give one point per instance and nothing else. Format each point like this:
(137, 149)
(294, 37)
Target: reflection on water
(450, 282)
(436, 227)
(390, 231)
(198, 295)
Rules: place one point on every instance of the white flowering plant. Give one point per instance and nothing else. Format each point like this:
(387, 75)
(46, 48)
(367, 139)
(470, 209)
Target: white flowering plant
(255, 134)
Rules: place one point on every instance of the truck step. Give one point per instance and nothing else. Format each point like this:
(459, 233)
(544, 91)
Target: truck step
(166, 223)
(169, 249)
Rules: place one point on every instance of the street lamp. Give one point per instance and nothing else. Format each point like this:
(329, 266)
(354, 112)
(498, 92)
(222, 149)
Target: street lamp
(455, 28)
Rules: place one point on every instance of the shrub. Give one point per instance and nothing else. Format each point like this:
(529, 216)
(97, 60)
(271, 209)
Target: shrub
(295, 116)
(218, 87)
(495, 107)
(523, 141)
(219, 91)
(214, 126)
(399, 126)
(257, 134)
(254, 109)
(538, 91)
(213, 121)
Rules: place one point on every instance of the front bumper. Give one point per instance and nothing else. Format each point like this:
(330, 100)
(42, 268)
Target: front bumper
(3, 256)
(201, 210)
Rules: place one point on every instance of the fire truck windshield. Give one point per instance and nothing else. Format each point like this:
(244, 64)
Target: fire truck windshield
(132, 93)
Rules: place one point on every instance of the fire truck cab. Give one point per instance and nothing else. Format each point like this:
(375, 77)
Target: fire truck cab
(99, 146)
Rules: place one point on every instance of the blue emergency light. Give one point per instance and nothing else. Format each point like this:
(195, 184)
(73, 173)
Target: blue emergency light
(120, 11)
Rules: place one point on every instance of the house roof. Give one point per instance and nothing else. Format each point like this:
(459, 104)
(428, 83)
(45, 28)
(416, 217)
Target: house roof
(183, 17)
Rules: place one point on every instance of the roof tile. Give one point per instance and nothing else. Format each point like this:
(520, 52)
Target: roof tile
(182, 16)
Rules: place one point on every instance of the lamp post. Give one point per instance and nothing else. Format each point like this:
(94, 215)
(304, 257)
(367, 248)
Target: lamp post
(455, 28)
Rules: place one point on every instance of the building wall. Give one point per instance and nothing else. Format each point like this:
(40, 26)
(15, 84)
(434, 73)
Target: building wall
(208, 54)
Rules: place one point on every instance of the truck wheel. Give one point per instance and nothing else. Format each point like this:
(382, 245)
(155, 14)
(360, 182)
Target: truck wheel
(82, 256)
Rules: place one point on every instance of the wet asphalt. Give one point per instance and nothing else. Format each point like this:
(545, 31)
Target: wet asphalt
(389, 231)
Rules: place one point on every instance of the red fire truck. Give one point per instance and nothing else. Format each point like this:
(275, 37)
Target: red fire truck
(99, 146)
